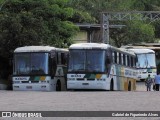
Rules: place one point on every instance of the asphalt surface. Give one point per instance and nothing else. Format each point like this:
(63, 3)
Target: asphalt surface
(139, 100)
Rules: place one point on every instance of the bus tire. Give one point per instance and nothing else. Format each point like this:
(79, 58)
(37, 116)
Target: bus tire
(129, 86)
(112, 85)
(142, 80)
(58, 86)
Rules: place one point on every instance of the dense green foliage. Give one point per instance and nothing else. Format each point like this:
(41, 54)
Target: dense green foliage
(134, 31)
(35, 22)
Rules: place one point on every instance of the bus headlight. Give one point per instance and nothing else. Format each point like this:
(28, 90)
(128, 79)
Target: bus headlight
(101, 79)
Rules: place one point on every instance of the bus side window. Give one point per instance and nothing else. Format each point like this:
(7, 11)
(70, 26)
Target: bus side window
(67, 57)
(128, 61)
(131, 61)
(109, 57)
(124, 59)
(64, 58)
(115, 57)
(58, 58)
(134, 62)
(53, 63)
(120, 62)
(108, 60)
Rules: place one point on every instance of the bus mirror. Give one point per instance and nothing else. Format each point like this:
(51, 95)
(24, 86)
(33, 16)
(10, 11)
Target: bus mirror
(66, 57)
(136, 59)
(53, 54)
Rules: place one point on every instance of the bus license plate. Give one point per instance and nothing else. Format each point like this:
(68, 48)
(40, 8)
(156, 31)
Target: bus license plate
(29, 87)
(85, 83)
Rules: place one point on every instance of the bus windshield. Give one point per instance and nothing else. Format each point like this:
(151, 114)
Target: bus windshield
(87, 61)
(30, 63)
(146, 61)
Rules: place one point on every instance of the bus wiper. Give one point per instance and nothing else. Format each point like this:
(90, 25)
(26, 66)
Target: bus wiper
(77, 70)
(93, 70)
(80, 70)
(153, 67)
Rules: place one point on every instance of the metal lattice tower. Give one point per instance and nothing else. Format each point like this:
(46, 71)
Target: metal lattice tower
(124, 16)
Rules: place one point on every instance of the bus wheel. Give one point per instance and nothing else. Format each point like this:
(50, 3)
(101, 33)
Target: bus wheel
(129, 86)
(58, 86)
(112, 85)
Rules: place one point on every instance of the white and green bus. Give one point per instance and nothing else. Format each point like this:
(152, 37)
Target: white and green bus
(100, 66)
(146, 63)
(39, 68)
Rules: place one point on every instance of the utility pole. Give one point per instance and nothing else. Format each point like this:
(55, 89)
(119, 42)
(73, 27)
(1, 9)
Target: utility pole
(105, 28)
(124, 16)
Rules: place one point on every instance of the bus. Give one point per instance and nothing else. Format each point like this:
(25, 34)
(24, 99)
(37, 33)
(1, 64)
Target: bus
(152, 46)
(101, 67)
(39, 68)
(146, 63)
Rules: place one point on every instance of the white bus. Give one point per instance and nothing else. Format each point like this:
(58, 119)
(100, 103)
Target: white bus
(100, 66)
(146, 63)
(152, 46)
(40, 68)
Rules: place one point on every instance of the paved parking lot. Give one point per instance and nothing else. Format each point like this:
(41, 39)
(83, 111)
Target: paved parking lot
(139, 100)
(141, 86)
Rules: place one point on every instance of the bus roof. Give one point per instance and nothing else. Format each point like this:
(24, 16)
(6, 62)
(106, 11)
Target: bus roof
(89, 46)
(139, 51)
(98, 46)
(141, 47)
(37, 49)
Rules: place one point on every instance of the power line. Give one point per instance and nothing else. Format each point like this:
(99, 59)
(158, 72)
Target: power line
(124, 16)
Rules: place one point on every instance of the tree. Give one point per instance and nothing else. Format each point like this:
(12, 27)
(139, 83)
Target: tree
(118, 37)
(95, 7)
(157, 29)
(34, 22)
(81, 11)
(139, 31)
(146, 5)
(133, 32)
